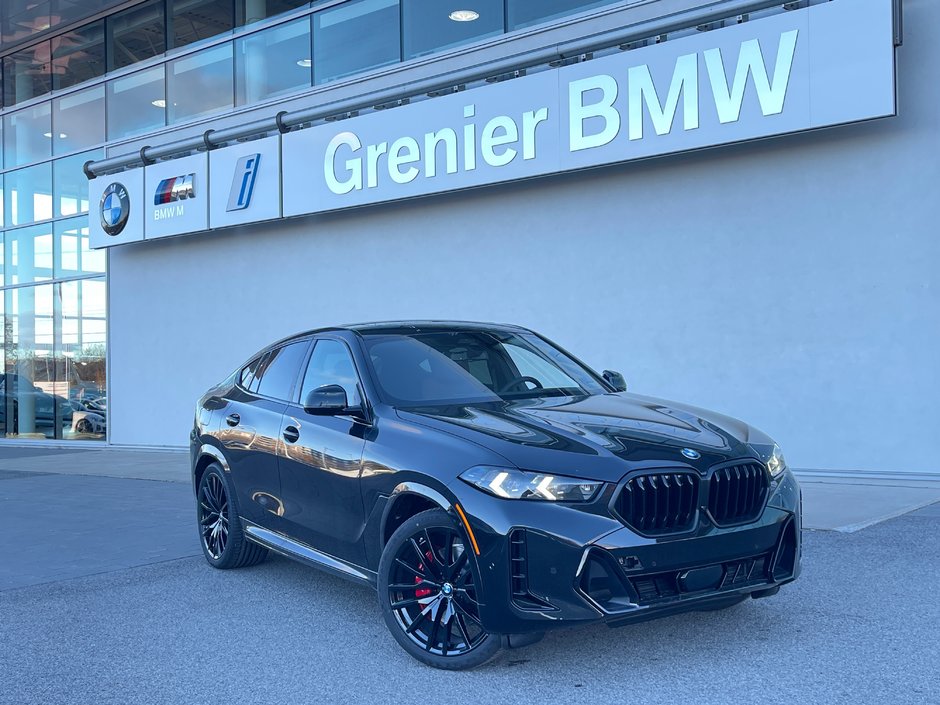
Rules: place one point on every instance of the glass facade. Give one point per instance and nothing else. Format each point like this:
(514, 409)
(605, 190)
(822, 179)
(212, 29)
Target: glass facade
(52, 286)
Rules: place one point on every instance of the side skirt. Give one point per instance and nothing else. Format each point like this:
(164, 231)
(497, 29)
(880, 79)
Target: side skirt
(288, 547)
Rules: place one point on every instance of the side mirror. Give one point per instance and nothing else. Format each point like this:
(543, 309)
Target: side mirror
(615, 380)
(327, 400)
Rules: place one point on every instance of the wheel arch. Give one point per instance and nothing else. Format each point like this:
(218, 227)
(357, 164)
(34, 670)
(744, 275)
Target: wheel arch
(405, 501)
(205, 456)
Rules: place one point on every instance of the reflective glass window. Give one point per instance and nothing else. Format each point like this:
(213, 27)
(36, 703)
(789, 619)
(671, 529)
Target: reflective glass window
(78, 120)
(430, 25)
(281, 370)
(524, 13)
(31, 405)
(27, 135)
(331, 363)
(27, 194)
(27, 73)
(200, 84)
(2, 204)
(136, 103)
(137, 33)
(78, 55)
(69, 183)
(81, 369)
(194, 20)
(248, 11)
(273, 62)
(354, 37)
(72, 256)
(27, 255)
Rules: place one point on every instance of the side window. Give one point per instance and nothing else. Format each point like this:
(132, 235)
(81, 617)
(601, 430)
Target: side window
(280, 370)
(247, 376)
(331, 363)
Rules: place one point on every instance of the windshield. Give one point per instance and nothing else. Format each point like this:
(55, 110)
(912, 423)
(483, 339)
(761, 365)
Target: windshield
(471, 366)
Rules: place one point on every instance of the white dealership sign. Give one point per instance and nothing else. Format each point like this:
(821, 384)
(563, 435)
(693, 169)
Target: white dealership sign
(825, 65)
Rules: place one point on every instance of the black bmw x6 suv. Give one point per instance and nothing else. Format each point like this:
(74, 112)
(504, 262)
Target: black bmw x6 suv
(488, 484)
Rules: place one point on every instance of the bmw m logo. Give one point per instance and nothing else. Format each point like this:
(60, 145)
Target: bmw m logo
(179, 188)
(114, 208)
(691, 454)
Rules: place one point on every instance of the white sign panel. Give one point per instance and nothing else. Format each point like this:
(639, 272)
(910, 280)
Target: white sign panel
(245, 184)
(819, 66)
(177, 197)
(116, 205)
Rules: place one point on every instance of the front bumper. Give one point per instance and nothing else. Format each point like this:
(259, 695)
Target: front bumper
(546, 566)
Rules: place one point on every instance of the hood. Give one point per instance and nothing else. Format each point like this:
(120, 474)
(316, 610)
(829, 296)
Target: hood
(598, 437)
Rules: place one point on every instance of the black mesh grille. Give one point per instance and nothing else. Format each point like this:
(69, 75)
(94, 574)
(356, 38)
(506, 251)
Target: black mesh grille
(659, 503)
(736, 493)
(669, 585)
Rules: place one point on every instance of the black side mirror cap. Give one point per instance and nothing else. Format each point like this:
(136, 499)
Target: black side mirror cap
(615, 380)
(328, 400)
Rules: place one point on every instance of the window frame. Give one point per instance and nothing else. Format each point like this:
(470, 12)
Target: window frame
(297, 377)
(364, 399)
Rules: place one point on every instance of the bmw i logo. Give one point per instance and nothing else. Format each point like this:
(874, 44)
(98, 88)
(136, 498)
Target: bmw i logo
(114, 208)
(691, 454)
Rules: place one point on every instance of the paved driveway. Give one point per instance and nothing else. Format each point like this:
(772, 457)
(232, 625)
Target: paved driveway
(860, 626)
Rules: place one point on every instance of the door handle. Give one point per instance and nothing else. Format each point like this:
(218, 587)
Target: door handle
(233, 419)
(291, 434)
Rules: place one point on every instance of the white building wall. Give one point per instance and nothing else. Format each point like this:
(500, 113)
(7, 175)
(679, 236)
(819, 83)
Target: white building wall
(792, 283)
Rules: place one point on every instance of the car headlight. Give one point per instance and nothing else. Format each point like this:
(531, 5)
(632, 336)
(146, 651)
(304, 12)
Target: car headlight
(772, 457)
(519, 484)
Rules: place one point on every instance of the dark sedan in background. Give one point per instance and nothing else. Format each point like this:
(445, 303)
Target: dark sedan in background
(488, 484)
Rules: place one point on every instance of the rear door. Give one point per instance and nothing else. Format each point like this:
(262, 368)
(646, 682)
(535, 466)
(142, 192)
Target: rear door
(250, 429)
(322, 459)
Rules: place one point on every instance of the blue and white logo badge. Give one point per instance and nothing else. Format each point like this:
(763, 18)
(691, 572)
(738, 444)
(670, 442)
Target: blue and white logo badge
(691, 454)
(243, 182)
(114, 208)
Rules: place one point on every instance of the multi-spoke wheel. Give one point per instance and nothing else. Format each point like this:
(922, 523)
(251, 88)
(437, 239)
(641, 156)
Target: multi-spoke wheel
(428, 590)
(223, 542)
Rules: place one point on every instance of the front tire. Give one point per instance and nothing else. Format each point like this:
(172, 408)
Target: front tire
(220, 533)
(428, 586)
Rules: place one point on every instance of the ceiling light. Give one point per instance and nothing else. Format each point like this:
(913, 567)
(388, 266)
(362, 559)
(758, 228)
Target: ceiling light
(304, 63)
(48, 135)
(159, 103)
(464, 15)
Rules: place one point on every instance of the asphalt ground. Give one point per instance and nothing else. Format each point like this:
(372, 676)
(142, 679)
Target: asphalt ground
(860, 626)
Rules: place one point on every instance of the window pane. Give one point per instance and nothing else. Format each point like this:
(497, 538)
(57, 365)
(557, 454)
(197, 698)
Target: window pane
(281, 371)
(78, 55)
(78, 120)
(28, 255)
(331, 363)
(273, 62)
(27, 194)
(137, 103)
(27, 73)
(338, 45)
(431, 25)
(81, 370)
(255, 10)
(524, 13)
(72, 254)
(30, 405)
(200, 84)
(137, 34)
(193, 20)
(27, 135)
(69, 183)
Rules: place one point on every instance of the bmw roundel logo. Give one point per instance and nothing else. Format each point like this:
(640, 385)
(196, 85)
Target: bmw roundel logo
(691, 454)
(115, 207)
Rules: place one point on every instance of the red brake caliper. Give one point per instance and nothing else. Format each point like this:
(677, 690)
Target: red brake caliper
(423, 592)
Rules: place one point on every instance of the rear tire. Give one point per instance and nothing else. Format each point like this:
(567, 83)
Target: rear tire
(428, 586)
(223, 542)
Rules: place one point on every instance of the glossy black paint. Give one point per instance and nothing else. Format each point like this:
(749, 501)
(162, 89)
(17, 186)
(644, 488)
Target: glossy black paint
(338, 483)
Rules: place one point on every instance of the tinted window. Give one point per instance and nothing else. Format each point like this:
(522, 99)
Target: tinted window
(280, 370)
(430, 25)
(470, 366)
(247, 375)
(338, 32)
(524, 13)
(331, 363)
(137, 34)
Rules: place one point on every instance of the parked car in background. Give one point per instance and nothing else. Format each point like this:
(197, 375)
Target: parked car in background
(488, 484)
(45, 413)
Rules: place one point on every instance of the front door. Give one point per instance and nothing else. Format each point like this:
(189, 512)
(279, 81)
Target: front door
(321, 460)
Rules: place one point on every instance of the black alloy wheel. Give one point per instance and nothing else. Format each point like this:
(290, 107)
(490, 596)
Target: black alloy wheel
(223, 542)
(428, 590)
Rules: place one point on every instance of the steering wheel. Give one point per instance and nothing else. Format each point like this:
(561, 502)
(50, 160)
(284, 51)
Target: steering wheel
(517, 381)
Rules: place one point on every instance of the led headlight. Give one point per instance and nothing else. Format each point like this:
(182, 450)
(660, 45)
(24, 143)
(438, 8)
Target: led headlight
(772, 457)
(519, 484)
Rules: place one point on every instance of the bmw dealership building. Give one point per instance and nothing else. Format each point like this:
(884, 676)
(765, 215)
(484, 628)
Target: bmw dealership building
(733, 202)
